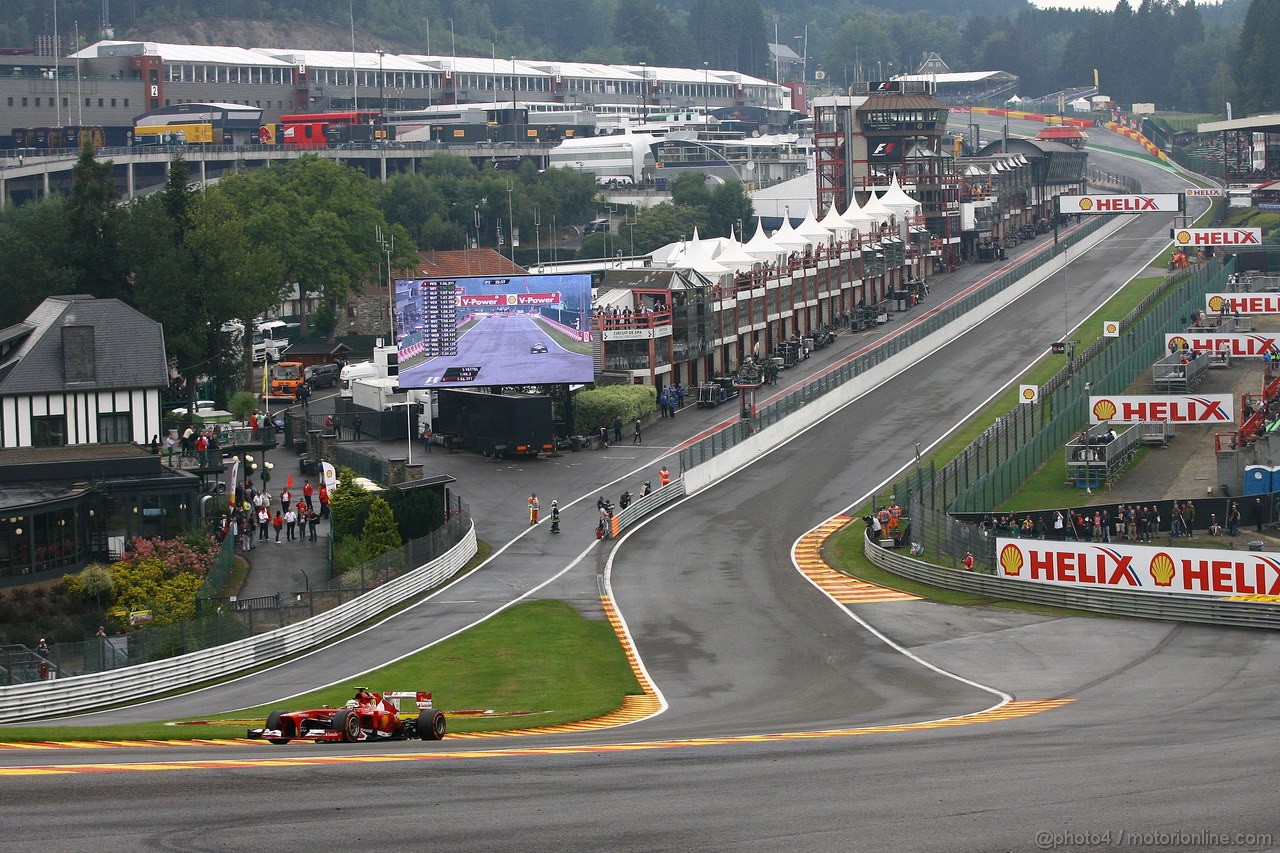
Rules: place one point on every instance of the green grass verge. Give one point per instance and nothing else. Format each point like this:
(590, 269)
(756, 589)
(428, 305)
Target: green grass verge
(541, 662)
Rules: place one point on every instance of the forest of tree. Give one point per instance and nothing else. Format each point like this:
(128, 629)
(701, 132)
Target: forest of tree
(1177, 54)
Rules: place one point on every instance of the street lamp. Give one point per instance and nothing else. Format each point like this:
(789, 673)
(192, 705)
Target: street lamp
(706, 92)
(644, 92)
(382, 79)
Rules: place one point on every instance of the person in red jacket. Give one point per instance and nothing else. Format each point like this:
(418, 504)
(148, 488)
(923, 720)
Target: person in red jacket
(278, 524)
(307, 490)
(324, 502)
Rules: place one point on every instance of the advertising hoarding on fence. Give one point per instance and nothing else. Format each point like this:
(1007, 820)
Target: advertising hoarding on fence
(494, 330)
(1174, 408)
(1188, 571)
(1239, 344)
(1242, 303)
(1217, 237)
(1104, 203)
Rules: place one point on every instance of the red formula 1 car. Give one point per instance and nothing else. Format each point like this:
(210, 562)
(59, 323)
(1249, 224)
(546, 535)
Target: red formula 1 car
(369, 716)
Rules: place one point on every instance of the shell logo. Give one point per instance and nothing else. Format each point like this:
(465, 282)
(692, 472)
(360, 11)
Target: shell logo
(1182, 237)
(1111, 328)
(1104, 410)
(1179, 341)
(1011, 560)
(1215, 303)
(1028, 394)
(1086, 203)
(1162, 569)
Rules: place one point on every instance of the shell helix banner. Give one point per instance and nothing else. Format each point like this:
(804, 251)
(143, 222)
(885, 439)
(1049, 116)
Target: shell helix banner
(1239, 344)
(1157, 203)
(1162, 408)
(1242, 303)
(1188, 571)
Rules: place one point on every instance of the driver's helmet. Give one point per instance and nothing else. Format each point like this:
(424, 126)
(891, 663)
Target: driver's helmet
(351, 703)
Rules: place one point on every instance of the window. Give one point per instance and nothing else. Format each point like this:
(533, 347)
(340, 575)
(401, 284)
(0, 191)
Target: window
(37, 102)
(113, 102)
(126, 102)
(100, 101)
(115, 428)
(49, 431)
(24, 102)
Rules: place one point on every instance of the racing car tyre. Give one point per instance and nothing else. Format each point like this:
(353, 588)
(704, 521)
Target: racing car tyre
(431, 725)
(348, 722)
(275, 720)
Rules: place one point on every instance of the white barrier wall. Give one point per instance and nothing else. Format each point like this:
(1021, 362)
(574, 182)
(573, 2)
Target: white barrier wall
(726, 463)
(39, 699)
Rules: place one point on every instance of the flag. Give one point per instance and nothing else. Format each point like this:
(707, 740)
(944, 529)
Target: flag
(235, 478)
(1028, 393)
(1110, 329)
(330, 475)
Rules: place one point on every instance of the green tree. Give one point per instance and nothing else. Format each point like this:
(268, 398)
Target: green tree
(1256, 80)
(93, 226)
(665, 223)
(729, 208)
(380, 533)
(330, 246)
(94, 581)
(348, 506)
(34, 254)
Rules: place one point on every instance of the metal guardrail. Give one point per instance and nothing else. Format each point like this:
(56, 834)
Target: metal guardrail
(641, 507)
(47, 698)
(1143, 605)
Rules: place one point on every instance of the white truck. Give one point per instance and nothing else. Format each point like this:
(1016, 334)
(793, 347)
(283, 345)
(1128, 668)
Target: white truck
(385, 364)
(270, 337)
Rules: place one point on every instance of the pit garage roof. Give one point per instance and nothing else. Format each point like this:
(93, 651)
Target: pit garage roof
(1269, 123)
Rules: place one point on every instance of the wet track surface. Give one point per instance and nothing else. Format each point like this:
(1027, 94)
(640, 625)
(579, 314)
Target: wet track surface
(1167, 728)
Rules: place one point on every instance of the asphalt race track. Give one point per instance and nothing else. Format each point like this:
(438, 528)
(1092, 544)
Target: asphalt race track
(790, 722)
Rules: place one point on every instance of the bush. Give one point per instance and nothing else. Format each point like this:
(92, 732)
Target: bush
(380, 533)
(598, 407)
(241, 405)
(348, 553)
(348, 506)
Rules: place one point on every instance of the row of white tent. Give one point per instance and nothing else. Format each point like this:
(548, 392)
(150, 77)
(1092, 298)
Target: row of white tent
(723, 255)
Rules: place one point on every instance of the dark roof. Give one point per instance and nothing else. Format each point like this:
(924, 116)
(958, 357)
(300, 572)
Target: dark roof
(128, 348)
(651, 278)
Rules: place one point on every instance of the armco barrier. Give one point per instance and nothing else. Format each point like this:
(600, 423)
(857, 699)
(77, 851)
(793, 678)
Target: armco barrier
(1145, 605)
(48, 698)
(726, 462)
(641, 507)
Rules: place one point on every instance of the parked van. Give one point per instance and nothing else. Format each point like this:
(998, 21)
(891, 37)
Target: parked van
(323, 375)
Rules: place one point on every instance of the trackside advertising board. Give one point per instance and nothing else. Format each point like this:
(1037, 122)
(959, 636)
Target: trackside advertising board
(496, 330)
(1187, 571)
(1217, 237)
(1242, 303)
(1239, 344)
(1171, 408)
(1157, 203)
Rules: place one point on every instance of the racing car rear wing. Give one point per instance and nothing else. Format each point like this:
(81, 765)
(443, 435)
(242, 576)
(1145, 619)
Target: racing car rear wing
(422, 700)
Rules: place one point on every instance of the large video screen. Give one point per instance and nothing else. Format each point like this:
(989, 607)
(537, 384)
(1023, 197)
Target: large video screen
(500, 330)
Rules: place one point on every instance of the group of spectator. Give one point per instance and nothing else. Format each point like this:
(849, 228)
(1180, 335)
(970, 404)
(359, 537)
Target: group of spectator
(252, 518)
(615, 316)
(1132, 522)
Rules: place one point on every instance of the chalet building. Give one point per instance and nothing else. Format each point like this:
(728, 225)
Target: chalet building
(80, 386)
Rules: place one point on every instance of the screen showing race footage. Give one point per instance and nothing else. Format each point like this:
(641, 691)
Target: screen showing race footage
(494, 330)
